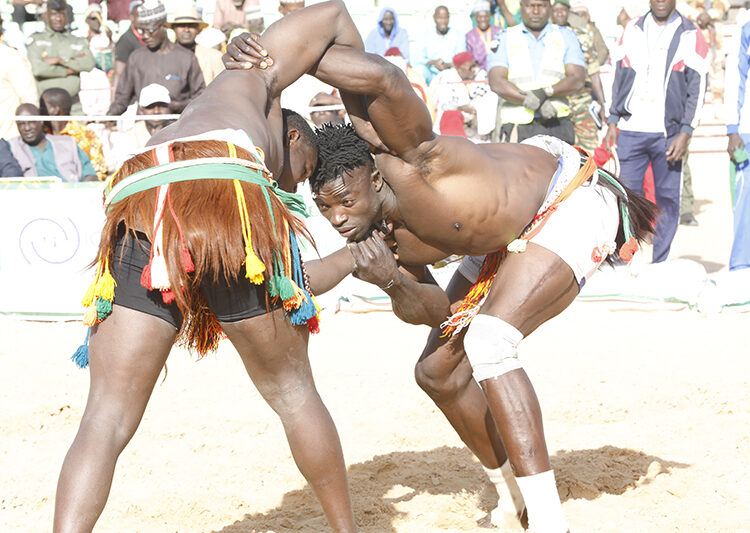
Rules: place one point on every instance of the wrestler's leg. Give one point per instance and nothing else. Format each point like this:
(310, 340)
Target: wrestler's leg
(275, 355)
(530, 288)
(444, 373)
(126, 354)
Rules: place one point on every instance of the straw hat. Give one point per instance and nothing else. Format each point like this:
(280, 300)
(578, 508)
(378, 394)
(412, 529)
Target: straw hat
(187, 15)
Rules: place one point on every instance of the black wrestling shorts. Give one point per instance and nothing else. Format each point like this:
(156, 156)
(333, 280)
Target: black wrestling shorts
(230, 303)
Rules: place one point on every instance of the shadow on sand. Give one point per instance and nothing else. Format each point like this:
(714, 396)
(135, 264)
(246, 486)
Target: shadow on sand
(378, 485)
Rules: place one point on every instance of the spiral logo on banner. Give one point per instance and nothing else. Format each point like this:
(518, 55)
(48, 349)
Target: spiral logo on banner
(45, 240)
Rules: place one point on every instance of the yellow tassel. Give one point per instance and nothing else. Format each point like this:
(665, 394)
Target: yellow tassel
(315, 302)
(89, 318)
(105, 284)
(254, 267)
(90, 295)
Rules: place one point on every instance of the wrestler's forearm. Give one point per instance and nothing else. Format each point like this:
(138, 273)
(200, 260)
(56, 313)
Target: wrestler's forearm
(417, 302)
(327, 272)
(296, 49)
(355, 108)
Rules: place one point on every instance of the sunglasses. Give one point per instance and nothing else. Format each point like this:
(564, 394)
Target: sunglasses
(150, 31)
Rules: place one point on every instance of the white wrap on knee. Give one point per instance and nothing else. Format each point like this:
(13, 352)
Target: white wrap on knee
(491, 344)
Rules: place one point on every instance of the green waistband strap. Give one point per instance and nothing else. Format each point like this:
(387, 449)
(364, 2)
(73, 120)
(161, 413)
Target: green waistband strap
(207, 171)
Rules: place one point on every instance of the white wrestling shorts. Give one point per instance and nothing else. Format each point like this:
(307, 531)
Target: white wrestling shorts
(581, 231)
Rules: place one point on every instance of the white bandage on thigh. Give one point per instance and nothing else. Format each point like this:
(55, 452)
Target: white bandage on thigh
(491, 345)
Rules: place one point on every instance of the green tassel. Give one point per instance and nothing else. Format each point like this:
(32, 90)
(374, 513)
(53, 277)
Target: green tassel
(103, 308)
(286, 288)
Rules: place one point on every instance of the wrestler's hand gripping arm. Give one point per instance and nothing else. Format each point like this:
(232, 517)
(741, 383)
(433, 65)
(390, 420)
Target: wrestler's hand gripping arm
(294, 49)
(415, 296)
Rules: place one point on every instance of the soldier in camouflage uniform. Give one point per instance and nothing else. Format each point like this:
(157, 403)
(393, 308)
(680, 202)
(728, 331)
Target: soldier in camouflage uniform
(587, 133)
(57, 56)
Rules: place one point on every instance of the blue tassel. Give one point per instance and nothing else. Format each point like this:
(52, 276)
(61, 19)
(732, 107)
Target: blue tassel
(306, 311)
(81, 356)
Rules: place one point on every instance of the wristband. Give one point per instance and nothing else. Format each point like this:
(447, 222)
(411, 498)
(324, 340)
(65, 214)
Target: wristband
(549, 90)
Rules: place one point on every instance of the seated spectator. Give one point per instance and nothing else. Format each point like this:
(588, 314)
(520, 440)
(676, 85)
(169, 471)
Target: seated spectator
(230, 14)
(57, 56)
(387, 34)
(464, 88)
(480, 41)
(129, 41)
(17, 86)
(393, 55)
(57, 102)
(438, 45)
(9, 167)
(99, 37)
(186, 25)
(330, 116)
(48, 155)
(160, 61)
(153, 100)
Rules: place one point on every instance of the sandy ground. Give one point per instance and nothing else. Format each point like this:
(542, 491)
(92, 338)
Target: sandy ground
(647, 416)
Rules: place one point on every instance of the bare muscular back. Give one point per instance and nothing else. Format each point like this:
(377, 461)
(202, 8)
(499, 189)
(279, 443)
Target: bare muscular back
(222, 106)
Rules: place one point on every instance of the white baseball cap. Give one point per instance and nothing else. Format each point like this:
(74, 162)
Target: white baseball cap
(152, 94)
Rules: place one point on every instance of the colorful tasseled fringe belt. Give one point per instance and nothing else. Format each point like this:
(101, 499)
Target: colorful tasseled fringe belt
(287, 279)
(476, 296)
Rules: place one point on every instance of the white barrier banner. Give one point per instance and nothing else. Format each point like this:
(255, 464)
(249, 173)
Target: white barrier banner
(49, 233)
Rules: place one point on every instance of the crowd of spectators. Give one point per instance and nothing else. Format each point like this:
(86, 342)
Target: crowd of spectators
(513, 69)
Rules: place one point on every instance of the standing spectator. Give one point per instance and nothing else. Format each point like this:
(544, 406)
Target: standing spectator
(657, 97)
(57, 102)
(480, 40)
(160, 61)
(9, 167)
(48, 155)
(582, 109)
(99, 37)
(387, 34)
(230, 14)
(153, 100)
(737, 110)
(536, 67)
(464, 88)
(581, 18)
(187, 24)
(438, 45)
(128, 42)
(17, 85)
(117, 10)
(57, 56)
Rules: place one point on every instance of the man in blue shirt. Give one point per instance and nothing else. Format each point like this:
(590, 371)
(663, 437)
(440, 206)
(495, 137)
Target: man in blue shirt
(48, 155)
(438, 46)
(536, 66)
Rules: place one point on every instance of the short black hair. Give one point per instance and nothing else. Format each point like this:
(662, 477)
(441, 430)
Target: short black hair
(295, 121)
(58, 96)
(340, 150)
